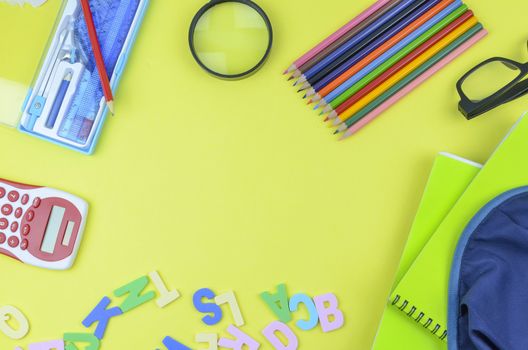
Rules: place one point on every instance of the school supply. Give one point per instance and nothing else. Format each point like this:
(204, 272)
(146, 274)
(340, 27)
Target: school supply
(388, 49)
(490, 84)
(230, 39)
(392, 85)
(298, 64)
(40, 226)
(65, 104)
(370, 114)
(395, 51)
(487, 289)
(456, 32)
(422, 293)
(450, 176)
(96, 50)
(407, 54)
(374, 16)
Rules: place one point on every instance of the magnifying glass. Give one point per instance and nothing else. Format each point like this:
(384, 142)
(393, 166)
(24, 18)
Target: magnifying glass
(230, 39)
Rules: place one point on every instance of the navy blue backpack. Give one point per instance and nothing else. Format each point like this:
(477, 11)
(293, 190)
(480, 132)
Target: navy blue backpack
(488, 289)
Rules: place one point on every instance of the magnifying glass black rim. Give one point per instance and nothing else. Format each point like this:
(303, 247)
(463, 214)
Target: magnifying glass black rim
(210, 5)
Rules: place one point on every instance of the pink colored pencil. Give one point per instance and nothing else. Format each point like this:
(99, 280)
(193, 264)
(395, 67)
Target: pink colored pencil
(414, 84)
(332, 38)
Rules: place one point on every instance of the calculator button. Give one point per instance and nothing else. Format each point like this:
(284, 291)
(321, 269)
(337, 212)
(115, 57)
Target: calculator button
(3, 224)
(36, 202)
(13, 241)
(30, 215)
(25, 199)
(13, 196)
(2, 192)
(18, 213)
(26, 229)
(14, 227)
(2, 238)
(24, 244)
(7, 209)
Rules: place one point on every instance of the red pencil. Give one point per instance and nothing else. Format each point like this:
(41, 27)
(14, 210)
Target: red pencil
(96, 48)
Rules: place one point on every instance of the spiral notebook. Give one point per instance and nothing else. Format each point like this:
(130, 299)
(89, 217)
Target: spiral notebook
(449, 177)
(422, 292)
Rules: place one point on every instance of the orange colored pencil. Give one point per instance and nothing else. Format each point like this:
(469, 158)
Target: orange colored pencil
(383, 48)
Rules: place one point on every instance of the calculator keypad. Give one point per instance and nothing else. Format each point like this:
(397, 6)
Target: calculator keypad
(16, 205)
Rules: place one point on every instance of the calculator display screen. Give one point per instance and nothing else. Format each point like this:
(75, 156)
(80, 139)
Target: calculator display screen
(52, 230)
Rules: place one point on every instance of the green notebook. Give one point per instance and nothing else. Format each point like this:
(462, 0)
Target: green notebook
(449, 177)
(422, 292)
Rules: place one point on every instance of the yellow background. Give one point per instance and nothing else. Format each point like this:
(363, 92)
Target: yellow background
(238, 185)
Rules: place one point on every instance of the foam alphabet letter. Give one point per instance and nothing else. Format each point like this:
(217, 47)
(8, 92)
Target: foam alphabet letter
(207, 307)
(102, 316)
(313, 321)
(242, 341)
(332, 310)
(166, 297)
(134, 298)
(172, 344)
(49, 345)
(276, 326)
(278, 303)
(71, 338)
(8, 313)
(230, 298)
(209, 338)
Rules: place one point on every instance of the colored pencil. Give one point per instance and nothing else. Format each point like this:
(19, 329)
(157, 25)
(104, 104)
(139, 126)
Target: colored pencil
(334, 37)
(392, 31)
(384, 33)
(366, 33)
(401, 64)
(413, 85)
(414, 74)
(452, 36)
(411, 32)
(335, 45)
(99, 61)
(338, 97)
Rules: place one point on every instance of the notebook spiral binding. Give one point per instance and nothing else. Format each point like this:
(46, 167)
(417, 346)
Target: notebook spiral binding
(426, 322)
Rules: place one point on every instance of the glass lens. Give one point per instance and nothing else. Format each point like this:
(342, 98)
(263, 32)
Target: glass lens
(231, 38)
(489, 79)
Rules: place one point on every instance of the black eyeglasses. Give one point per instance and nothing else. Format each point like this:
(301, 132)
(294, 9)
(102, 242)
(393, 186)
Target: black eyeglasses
(490, 84)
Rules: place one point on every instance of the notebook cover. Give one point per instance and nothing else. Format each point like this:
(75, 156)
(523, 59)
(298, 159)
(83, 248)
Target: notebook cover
(422, 292)
(449, 177)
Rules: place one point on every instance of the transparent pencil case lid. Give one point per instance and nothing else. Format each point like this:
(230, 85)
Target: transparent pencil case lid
(64, 103)
(25, 34)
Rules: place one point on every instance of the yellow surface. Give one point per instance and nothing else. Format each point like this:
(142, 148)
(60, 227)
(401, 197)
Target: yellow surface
(237, 185)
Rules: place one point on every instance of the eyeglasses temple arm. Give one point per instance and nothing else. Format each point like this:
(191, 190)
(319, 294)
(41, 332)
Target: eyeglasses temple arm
(517, 91)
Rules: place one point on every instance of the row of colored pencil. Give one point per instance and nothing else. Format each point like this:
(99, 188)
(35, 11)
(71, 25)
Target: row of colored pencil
(382, 55)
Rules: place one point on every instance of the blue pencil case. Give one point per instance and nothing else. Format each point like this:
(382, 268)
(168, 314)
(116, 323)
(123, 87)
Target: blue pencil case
(65, 104)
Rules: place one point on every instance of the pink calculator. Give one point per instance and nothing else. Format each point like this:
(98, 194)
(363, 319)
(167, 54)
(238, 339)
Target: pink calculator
(40, 226)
